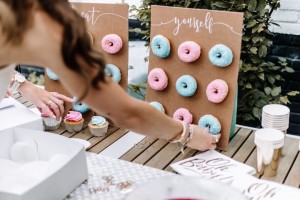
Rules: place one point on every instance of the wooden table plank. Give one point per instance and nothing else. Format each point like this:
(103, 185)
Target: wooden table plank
(107, 141)
(245, 150)
(237, 141)
(138, 149)
(160, 154)
(188, 152)
(150, 152)
(96, 140)
(293, 178)
(236, 129)
(161, 159)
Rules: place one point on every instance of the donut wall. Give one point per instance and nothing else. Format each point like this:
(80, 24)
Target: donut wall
(194, 64)
(108, 30)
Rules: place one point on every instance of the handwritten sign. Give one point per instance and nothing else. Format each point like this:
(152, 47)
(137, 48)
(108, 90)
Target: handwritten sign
(196, 24)
(101, 19)
(104, 19)
(207, 28)
(92, 15)
(257, 189)
(212, 165)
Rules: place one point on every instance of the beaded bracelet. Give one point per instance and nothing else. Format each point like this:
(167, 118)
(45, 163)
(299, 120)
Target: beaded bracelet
(184, 137)
(181, 137)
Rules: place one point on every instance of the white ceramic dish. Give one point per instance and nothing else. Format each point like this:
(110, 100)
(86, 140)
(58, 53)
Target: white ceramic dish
(185, 187)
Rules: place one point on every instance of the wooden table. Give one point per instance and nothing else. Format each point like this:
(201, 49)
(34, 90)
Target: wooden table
(160, 154)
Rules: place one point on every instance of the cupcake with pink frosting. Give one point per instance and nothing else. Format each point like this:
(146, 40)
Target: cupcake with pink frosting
(73, 121)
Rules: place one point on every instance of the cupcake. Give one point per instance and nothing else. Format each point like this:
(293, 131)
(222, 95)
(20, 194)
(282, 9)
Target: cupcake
(50, 124)
(98, 126)
(73, 121)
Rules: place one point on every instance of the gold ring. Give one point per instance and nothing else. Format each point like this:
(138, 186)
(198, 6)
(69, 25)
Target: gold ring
(217, 139)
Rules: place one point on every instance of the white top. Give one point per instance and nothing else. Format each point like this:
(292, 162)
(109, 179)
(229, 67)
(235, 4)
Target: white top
(269, 137)
(276, 109)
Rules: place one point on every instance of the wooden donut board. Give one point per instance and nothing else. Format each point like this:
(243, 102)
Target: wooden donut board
(207, 28)
(101, 19)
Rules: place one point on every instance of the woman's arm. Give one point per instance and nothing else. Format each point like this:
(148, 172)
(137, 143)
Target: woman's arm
(49, 103)
(135, 115)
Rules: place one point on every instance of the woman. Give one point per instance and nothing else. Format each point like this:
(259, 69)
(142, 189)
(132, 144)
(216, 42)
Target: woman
(49, 103)
(50, 33)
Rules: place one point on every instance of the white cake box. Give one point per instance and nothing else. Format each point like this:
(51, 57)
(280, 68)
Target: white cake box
(59, 183)
(17, 115)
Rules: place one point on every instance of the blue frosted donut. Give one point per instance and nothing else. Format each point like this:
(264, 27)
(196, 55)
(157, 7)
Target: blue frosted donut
(79, 106)
(211, 122)
(186, 85)
(160, 46)
(113, 71)
(51, 74)
(220, 55)
(158, 106)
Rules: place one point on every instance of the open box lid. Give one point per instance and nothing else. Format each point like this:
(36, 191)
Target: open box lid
(58, 184)
(17, 115)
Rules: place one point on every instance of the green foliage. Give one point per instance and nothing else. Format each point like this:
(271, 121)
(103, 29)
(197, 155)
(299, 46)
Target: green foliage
(259, 80)
(138, 90)
(37, 80)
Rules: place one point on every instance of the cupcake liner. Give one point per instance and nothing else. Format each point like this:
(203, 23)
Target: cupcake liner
(73, 128)
(99, 130)
(51, 124)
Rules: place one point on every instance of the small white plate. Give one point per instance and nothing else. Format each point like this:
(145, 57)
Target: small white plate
(85, 143)
(185, 187)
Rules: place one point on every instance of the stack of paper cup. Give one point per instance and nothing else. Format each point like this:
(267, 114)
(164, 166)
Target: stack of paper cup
(275, 116)
(269, 143)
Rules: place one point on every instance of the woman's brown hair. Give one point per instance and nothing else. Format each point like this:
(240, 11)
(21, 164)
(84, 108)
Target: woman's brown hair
(76, 42)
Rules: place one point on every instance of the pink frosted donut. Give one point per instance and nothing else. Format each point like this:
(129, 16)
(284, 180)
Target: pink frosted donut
(217, 91)
(111, 43)
(184, 115)
(157, 79)
(189, 51)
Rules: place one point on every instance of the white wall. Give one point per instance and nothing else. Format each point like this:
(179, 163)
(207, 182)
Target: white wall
(288, 17)
(130, 2)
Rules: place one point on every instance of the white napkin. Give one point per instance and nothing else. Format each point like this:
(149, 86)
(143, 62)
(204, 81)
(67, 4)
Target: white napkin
(213, 165)
(6, 102)
(256, 189)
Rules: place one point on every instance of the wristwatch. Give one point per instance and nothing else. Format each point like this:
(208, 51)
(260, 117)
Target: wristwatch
(17, 81)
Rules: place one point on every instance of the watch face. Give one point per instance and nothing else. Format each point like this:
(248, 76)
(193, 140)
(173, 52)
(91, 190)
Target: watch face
(20, 78)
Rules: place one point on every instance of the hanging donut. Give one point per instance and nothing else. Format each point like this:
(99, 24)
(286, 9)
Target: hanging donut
(186, 85)
(79, 106)
(113, 71)
(160, 46)
(220, 55)
(157, 79)
(189, 51)
(111, 43)
(158, 106)
(184, 115)
(90, 37)
(217, 91)
(210, 122)
(51, 74)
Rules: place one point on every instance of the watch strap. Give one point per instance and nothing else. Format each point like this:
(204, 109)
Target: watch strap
(15, 83)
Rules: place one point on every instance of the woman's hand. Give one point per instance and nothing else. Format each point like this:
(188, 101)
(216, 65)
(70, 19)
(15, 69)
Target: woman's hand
(202, 139)
(49, 103)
